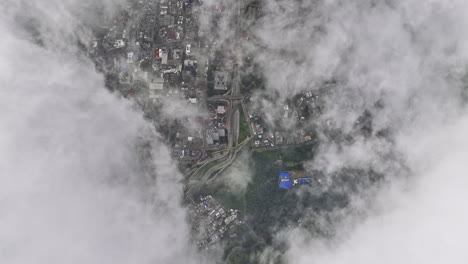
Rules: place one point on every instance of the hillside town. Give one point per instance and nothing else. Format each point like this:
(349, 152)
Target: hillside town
(155, 54)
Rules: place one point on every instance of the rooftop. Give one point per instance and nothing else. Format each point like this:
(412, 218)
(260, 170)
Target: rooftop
(284, 180)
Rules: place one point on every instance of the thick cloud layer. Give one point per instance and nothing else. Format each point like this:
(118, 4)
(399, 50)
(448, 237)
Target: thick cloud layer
(405, 63)
(421, 223)
(83, 178)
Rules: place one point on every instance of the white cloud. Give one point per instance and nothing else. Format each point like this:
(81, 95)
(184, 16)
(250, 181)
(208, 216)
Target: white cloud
(77, 184)
(412, 56)
(423, 223)
(239, 174)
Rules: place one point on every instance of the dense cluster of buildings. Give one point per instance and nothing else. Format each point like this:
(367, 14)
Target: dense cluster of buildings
(150, 42)
(297, 112)
(150, 52)
(211, 222)
(215, 125)
(154, 53)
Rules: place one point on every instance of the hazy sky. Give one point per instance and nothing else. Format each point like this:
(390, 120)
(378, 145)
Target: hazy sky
(75, 187)
(410, 55)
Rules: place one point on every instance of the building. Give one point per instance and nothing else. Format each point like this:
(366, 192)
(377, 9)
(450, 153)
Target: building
(157, 82)
(164, 56)
(285, 180)
(167, 20)
(279, 138)
(156, 86)
(119, 44)
(292, 178)
(130, 57)
(221, 80)
(221, 132)
(221, 110)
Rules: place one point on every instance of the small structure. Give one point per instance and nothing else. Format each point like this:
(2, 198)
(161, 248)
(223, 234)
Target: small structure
(301, 181)
(221, 132)
(221, 110)
(130, 57)
(157, 83)
(289, 179)
(284, 180)
(156, 86)
(221, 80)
(166, 20)
(164, 55)
(119, 44)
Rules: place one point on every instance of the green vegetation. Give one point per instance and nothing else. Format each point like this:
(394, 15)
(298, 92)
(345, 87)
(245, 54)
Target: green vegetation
(224, 195)
(238, 256)
(251, 82)
(245, 248)
(211, 153)
(268, 206)
(251, 78)
(243, 126)
(290, 164)
(264, 205)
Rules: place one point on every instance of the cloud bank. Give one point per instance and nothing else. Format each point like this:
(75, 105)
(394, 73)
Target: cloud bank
(84, 178)
(424, 222)
(404, 63)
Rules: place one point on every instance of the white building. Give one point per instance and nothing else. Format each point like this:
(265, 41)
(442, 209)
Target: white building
(119, 44)
(221, 109)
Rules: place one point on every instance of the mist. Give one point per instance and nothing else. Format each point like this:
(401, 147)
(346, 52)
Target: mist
(84, 178)
(238, 176)
(404, 63)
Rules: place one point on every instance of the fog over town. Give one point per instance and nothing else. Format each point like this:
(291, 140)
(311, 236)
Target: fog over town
(274, 131)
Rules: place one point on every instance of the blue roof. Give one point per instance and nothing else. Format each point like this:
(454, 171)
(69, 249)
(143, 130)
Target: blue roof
(305, 180)
(284, 180)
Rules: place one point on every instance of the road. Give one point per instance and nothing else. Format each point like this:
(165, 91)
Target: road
(227, 97)
(197, 181)
(213, 172)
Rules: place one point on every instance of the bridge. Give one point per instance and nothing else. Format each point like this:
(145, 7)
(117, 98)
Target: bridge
(227, 97)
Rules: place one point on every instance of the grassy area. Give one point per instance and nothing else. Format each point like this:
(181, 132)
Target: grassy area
(212, 153)
(243, 126)
(222, 193)
(267, 206)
